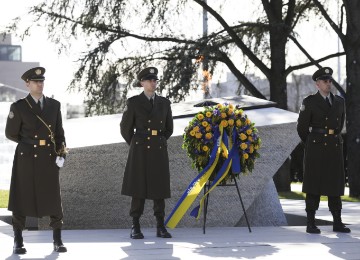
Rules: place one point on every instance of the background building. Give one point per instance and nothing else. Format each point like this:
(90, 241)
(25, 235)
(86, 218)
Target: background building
(12, 87)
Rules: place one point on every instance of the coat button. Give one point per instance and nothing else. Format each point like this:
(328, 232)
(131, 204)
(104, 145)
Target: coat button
(325, 134)
(48, 144)
(50, 154)
(148, 138)
(49, 135)
(161, 121)
(35, 155)
(325, 127)
(325, 143)
(148, 129)
(314, 141)
(137, 142)
(35, 145)
(35, 136)
(148, 147)
(160, 147)
(21, 153)
(149, 121)
(49, 125)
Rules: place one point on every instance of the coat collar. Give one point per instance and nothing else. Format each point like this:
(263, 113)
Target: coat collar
(322, 103)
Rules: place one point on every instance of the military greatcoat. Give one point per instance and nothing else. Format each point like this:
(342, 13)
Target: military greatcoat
(146, 129)
(35, 188)
(319, 127)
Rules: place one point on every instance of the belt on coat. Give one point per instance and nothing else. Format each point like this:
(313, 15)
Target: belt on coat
(323, 131)
(149, 132)
(40, 142)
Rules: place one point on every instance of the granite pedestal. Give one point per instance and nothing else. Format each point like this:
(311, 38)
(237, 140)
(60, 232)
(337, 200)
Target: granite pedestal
(92, 176)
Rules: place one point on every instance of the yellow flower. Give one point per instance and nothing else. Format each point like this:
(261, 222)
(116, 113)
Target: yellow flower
(230, 111)
(238, 122)
(208, 114)
(231, 122)
(192, 133)
(238, 112)
(256, 147)
(198, 135)
(204, 123)
(200, 116)
(246, 156)
(208, 128)
(219, 105)
(243, 146)
(249, 131)
(231, 106)
(208, 136)
(250, 138)
(196, 128)
(224, 123)
(251, 149)
(205, 148)
(223, 115)
(243, 137)
(248, 122)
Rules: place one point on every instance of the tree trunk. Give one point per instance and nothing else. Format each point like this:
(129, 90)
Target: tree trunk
(352, 49)
(278, 92)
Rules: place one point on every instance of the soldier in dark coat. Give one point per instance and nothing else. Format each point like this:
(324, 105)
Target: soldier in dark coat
(35, 123)
(320, 122)
(146, 125)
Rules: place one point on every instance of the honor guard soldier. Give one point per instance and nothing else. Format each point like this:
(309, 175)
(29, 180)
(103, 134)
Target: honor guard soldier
(35, 124)
(321, 119)
(146, 125)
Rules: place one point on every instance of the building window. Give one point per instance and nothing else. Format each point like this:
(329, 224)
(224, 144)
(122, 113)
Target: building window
(10, 53)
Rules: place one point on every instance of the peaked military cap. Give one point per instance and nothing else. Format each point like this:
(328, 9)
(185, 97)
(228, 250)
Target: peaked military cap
(148, 73)
(323, 73)
(35, 74)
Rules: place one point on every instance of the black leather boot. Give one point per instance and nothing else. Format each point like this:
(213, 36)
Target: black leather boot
(310, 227)
(19, 248)
(160, 228)
(338, 226)
(135, 229)
(58, 244)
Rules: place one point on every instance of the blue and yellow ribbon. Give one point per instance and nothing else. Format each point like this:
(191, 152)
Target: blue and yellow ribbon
(232, 161)
(196, 185)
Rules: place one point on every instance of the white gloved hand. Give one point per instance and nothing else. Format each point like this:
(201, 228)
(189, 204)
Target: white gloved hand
(60, 161)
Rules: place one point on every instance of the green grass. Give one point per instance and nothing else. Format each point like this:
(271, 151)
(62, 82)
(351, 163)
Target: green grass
(296, 195)
(4, 198)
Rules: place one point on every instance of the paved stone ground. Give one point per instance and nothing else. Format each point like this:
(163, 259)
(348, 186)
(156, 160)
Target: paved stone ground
(278, 243)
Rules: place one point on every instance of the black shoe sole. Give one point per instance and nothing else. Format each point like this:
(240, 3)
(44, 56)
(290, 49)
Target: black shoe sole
(164, 236)
(19, 251)
(60, 249)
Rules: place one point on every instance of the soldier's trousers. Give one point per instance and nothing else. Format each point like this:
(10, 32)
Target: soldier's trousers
(137, 207)
(18, 221)
(312, 202)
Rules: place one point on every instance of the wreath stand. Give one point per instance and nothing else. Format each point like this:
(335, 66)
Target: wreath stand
(206, 188)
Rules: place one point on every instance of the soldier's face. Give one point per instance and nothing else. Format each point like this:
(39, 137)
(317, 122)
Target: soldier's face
(149, 85)
(35, 87)
(324, 86)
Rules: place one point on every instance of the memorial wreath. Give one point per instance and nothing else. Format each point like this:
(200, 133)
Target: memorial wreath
(221, 142)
